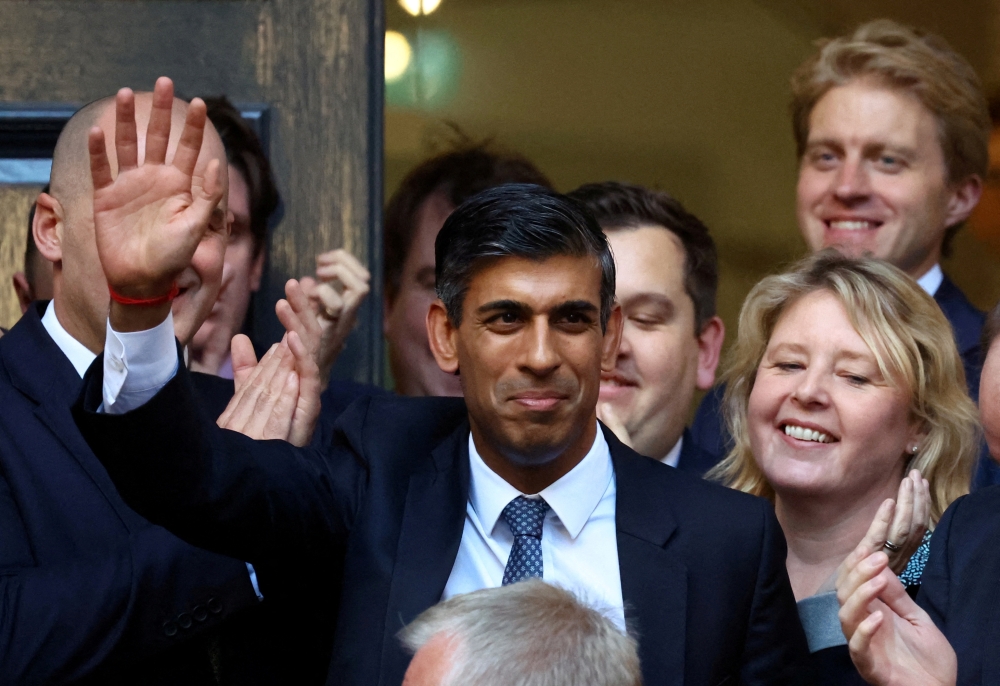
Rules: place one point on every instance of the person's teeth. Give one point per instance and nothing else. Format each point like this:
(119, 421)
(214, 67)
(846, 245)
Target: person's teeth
(850, 225)
(803, 434)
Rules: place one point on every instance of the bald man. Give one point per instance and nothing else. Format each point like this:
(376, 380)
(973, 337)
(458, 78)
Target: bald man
(90, 590)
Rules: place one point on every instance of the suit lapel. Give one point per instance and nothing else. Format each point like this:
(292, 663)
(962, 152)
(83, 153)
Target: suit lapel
(654, 585)
(429, 538)
(39, 370)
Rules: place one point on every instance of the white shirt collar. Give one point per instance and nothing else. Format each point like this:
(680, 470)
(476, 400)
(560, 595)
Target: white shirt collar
(573, 498)
(673, 457)
(931, 280)
(79, 355)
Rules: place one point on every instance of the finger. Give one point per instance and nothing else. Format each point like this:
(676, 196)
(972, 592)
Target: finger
(241, 407)
(873, 541)
(855, 609)
(345, 258)
(855, 576)
(279, 419)
(271, 397)
(900, 528)
(894, 595)
(308, 406)
(340, 275)
(160, 116)
(308, 284)
(244, 358)
(192, 135)
(206, 192)
(330, 303)
(304, 312)
(266, 393)
(100, 166)
(859, 644)
(924, 501)
(126, 138)
(299, 323)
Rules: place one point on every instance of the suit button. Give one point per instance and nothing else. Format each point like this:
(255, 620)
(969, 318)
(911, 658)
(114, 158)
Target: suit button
(184, 620)
(200, 613)
(214, 606)
(170, 629)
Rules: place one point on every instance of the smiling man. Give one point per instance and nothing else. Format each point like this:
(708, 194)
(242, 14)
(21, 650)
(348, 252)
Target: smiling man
(667, 276)
(420, 499)
(892, 131)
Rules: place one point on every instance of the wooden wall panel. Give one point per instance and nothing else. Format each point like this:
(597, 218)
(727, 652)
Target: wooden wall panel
(316, 63)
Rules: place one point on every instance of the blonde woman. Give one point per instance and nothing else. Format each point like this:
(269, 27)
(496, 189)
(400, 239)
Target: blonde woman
(845, 389)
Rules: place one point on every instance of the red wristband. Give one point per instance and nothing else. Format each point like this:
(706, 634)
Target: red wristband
(149, 302)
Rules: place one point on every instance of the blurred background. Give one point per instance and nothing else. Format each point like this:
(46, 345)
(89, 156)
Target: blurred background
(689, 96)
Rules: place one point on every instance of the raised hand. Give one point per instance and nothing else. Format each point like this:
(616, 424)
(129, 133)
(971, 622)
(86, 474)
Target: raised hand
(150, 218)
(909, 522)
(892, 641)
(341, 285)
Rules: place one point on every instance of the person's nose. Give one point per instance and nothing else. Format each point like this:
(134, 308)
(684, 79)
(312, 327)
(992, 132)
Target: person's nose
(811, 389)
(852, 182)
(541, 355)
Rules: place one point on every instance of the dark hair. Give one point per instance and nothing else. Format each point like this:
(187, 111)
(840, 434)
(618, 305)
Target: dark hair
(244, 151)
(517, 220)
(458, 175)
(618, 206)
(30, 247)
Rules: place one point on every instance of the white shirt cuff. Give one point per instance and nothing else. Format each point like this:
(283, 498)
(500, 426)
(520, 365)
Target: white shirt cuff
(137, 365)
(253, 581)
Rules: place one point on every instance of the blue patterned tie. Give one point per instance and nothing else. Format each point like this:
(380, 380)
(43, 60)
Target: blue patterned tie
(524, 516)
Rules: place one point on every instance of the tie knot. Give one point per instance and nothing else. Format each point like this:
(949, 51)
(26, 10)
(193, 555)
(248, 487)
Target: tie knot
(524, 516)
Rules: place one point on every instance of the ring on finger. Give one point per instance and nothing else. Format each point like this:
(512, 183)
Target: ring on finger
(329, 313)
(892, 547)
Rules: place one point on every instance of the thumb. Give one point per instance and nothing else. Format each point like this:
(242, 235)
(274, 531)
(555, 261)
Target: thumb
(244, 358)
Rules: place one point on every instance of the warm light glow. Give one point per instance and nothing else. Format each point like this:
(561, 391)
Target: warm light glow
(397, 55)
(418, 7)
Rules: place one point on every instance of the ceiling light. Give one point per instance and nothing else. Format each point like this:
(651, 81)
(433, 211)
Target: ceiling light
(397, 55)
(419, 7)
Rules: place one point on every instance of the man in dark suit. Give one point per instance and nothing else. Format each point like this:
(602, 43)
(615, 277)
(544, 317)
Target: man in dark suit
(93, 591)
(666, 279)
(949, 636)
(892, 131)
(421, 499)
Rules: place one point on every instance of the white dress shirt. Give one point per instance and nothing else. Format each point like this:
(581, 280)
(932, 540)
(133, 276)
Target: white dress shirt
(78, 354)
(673, 457)
(931, 280)
(136, 366)
(579, 540)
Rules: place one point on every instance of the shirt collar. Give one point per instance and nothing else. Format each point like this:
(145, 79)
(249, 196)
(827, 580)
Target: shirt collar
(573, 498)
(931, 280)
(673, 457)
(79, 355)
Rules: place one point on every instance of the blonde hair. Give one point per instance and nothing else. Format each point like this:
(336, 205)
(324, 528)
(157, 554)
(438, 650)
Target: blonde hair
(918, 63)
(913, 347)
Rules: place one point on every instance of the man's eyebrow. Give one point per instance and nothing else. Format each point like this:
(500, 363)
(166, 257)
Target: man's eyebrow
(574, 307)
(507, 305)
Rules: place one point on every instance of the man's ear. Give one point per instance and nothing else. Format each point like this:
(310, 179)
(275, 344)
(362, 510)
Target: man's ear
(612, 339)
(442, 336)
(713, 333)
(47, 227)
(257, 270)
(964, 198)
(25, 295)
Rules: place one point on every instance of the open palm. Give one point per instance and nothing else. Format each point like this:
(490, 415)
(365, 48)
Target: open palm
(150, 218)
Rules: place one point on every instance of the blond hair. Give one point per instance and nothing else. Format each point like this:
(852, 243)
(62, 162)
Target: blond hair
(913, 346)
(912, 61)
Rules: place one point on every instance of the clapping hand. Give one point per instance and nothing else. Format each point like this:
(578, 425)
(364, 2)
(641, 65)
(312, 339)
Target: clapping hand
(892, 641)
(340, 286)
(277, 397)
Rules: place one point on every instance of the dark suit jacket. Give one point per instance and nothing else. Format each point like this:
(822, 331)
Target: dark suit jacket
(960, 588)
(694, 459)
(709, 428)
(379, 517)
(90, 590)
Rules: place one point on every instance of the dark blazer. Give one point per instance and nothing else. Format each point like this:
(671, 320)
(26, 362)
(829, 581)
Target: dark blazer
(959, 588)
(379, 517)
(90, 590)
(694, 459)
